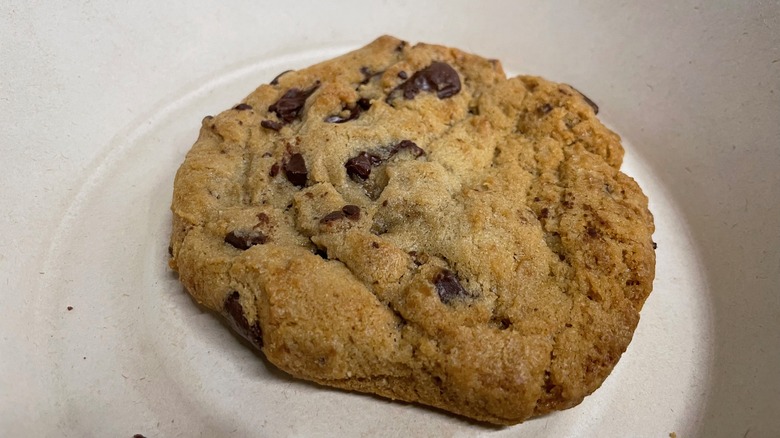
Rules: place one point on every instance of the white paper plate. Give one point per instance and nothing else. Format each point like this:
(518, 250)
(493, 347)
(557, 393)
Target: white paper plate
(102, 104)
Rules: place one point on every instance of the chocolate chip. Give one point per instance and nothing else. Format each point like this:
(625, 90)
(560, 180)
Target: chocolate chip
(448, 287)
(270, 124)
(352, 212)
(332, 217)
(295, 169)
(262, 218)
(544, 109)
(235, 311)
(138, 435)
(244, 240)
(543, 213)
(170, 250)
(587, 100)
(400, 47)
(364, 104)
(408, 145)
(439, 77)
(354, 112)
(592, 232)
(359, 166)
(375, 245)
(655, 245)
(274, 170)
(289, 106)
(502, 323)
(275, 81)
(402, 74)
(70, 308)
(242, 107)
(366, 75)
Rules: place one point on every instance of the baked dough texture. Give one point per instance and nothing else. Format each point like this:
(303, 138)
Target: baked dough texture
(404, 220)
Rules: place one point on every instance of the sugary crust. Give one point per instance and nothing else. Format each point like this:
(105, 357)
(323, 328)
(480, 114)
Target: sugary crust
(498, 273)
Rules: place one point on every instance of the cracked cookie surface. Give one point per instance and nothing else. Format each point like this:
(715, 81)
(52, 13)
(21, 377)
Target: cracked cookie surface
(406, 221)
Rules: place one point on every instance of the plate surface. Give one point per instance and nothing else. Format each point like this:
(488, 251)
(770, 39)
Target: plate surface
(104, 121)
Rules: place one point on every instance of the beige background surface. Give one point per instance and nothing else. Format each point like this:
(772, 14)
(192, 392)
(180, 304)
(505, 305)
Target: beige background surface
(100, 100)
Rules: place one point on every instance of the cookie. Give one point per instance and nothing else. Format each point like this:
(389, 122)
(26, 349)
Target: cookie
(407, 221)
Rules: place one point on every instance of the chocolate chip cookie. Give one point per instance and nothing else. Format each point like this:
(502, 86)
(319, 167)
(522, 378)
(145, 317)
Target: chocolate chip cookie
(405, 220)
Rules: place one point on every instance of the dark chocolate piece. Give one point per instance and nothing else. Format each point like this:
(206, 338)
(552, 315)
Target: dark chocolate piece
(439, 77)
(351, 212)
(332, 217)
(544, 109)
(295, 169)
(270, 124)
(366, 75)
(289, 106)
(244, 240)
(235, 312)
(448, 287)
(242, 107)
(275, 81)
(408, 145)
(354, 112)
(587, 100)
(360, 166)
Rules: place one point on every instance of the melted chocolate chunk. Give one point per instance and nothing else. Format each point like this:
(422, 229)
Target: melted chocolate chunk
(244, 240)
(360, 166)
(408, 145)
(295, 170)
(332, 217)
(242, 107)
(274, 170)
(235, 312)
(275, 81)
(351, 212)
(439, 77)
(448, 287)
(289, 106)
(587, 100)
(270, 124)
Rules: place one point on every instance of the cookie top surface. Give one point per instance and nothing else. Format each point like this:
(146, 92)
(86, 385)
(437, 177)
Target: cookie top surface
(405, 220)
